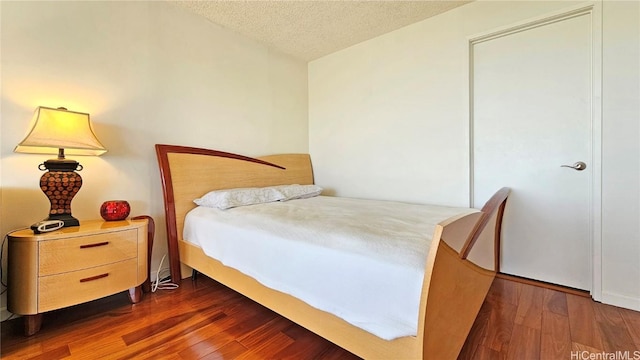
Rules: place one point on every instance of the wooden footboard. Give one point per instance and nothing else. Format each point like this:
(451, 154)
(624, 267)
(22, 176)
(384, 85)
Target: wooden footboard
(460, 267)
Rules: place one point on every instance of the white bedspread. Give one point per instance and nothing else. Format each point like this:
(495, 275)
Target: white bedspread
(361, 260)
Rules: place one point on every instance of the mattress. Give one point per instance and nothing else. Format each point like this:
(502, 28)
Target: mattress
(361, 260)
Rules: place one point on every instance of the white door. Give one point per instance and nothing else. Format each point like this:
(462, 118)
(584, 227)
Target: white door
(532, 101)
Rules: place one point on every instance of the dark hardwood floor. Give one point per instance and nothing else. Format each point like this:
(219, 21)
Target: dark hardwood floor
(205, 320)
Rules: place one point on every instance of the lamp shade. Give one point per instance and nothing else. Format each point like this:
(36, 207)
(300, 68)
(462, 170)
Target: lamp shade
(55, 129)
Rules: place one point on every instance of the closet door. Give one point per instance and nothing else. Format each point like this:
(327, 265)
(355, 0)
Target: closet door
(532, 130)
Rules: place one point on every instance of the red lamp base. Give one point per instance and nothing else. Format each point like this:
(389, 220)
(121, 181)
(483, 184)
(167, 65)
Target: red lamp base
(60, 187)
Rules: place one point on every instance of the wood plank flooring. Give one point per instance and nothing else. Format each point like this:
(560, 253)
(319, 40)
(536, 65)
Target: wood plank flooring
(205, 320)
(520, 321)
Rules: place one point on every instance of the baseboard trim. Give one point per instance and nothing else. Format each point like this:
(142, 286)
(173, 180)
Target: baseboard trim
(622, 301)
(543, 284)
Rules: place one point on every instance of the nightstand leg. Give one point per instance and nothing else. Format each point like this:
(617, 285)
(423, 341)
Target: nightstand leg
(135, 294)
(151, 230)
(32, 324)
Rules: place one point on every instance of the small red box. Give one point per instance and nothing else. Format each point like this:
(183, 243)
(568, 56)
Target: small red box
(114, 210)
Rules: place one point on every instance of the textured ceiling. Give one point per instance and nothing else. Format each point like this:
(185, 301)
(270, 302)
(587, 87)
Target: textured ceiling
(311, 29)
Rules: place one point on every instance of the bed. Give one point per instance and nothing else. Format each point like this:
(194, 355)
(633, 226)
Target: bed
(460, 264)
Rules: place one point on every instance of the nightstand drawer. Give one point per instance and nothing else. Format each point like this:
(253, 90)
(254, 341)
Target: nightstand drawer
(62, 290)
(60, 256)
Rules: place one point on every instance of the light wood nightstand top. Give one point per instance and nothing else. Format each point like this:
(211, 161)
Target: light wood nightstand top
(87, 227)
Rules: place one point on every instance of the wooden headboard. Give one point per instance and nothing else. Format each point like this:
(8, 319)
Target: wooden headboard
(188, 173)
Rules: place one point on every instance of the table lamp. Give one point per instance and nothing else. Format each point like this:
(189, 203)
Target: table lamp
(56, 131)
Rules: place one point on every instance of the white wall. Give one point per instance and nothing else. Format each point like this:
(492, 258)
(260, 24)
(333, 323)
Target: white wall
(621, 154)
(389, 119)
(147, 72)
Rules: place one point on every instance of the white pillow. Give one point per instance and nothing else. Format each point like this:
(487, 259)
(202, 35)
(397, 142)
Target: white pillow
(226, 199)
(296, 191)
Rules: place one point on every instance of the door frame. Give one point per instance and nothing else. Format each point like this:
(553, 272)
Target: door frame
(594, 10)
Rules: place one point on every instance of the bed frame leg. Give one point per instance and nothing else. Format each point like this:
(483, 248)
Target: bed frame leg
(194, 275)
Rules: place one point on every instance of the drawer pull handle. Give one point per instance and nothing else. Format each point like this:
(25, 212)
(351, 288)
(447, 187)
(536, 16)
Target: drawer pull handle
(94, 245)
(94, 277)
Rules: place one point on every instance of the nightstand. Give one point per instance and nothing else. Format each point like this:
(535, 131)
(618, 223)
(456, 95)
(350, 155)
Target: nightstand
(73, 265)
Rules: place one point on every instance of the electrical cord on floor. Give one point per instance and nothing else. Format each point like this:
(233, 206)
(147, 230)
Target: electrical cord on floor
(162, 283)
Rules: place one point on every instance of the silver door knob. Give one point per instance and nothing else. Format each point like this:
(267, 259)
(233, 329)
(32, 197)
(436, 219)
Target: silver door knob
(577, 166)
